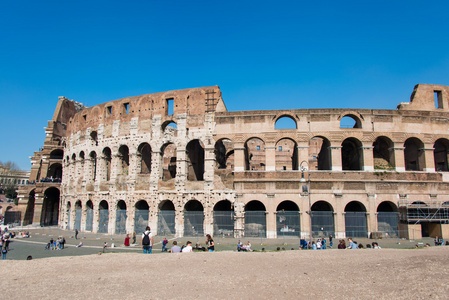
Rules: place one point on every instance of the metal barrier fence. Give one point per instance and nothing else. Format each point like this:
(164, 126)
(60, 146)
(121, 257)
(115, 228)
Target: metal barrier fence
(355, 223)
(166, 222)
(288, 223)
(255, 224)
(120, 221)
(89, 219)
(103, 221)
(78, 213)
(323, 223)
(224, 223)
(193, 223)
(387, 222)
(141, 220)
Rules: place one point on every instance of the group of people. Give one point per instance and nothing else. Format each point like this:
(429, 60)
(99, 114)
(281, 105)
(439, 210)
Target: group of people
(57, 244)
(147, 244)
(6, 237)
(244, 247)
(353, 245)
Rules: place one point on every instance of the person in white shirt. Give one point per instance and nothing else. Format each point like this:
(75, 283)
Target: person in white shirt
(187, 248)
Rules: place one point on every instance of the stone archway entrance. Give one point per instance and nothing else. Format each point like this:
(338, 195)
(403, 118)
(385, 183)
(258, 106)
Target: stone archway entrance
(50, 207)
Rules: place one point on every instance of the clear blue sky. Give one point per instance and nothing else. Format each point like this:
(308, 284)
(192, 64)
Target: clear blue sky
(262, 54)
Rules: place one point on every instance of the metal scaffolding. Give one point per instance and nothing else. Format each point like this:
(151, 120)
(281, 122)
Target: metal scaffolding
(418, 211)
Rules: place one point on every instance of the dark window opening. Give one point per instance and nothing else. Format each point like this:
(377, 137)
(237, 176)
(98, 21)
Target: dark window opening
(438, 99)
(109, 110)
(169, 108)
(126, 106)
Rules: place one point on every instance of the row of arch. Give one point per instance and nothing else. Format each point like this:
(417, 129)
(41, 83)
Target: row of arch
(287, 218)
(255, 156)
(13, 181)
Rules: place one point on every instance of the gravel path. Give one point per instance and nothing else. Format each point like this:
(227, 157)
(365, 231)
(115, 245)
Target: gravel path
(386, 273)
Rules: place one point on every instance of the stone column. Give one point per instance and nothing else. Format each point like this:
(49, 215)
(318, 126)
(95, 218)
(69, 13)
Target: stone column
(239, 157)
(156, 169)
(303, 152)
(112, 216)
(96, 218)
(429, 158)
(209, 166)
(368, 160)
(179, 222)
(399, 158)
(181, 167)
(208, 220)
(271, 224)
(38, 205)
(83, 218)
(340, 226)
(336, 158)
(129, 224)
(270, 156)
(239, 219)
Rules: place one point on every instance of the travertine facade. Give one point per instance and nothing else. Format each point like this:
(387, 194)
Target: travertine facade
(180, 162)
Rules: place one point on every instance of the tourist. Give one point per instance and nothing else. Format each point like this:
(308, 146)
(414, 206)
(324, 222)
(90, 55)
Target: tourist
(376, 246)
(323, 244)
(248, 247)
(239, 246)
(79, 245)
(342, 244)
(314, 247)
(318, 244)
(368, 246)
(360, 246)
(147, 241)
(210, 243)
(188, 248)
(76, 234)
(134, 237)
(331, 243)
(175, 248)
(164, 245)
(127, 238)
(352, 245)
(4, 250)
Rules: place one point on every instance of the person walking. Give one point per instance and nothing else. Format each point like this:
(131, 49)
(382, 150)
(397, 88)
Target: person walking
(147, 241)
(4, 250)
(76, 234)
(164, 245)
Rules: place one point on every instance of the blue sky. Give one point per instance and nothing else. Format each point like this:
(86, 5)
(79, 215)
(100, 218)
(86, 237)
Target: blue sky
(262, 54)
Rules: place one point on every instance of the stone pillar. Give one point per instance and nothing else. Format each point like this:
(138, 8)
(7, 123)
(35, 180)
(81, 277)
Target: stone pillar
(179, 222)
(429, 158)
(270, 157)
(83, 218)
(112, 216)
(336, 158)
(133, 169)
(239, 157)
(96, 218)
(209, 166)
(129, 224)
(72, 216)
(115, 166)
(340, 226)
(368, 160)
(156, 169)
(303, 152)
(239, 219)
(38, 205)
(306, 225)
(399, 158)
(271, 224)
(208, 224)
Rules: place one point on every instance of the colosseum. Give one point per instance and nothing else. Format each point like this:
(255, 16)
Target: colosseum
(181, 163)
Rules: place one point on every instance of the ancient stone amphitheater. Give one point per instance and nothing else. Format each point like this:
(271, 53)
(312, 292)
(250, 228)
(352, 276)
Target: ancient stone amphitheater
(181, 163)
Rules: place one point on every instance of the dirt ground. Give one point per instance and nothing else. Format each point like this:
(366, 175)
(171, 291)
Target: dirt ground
(369, 273)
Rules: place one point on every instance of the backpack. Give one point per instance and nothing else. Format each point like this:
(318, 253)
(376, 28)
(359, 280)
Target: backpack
(146, 239)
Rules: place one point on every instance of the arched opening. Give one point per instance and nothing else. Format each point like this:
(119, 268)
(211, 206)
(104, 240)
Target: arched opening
(352, 155)
(123, 155)
(169, 127)
(355, 220)
(166, 218)
(440, 153)
(141, 216)
(224, 154)
(54, 173)
(322, 214)
(103, 214)
(286, 155)
(383, 154)
(193, 218)
(414, 155)
(144, 154)
(320, 157)
(350, 121)
(89, 215)
(93, 162)
(388, 219)
(50, 207)
(255, 219)
(195, 160)
(168, 153)
(120, 217)
(78, 213)
(224, 218)
(287, 219)
(255, 154)
(107, 159)
(93, 137)
(29, 213)
(285, 122)
(57, 154)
